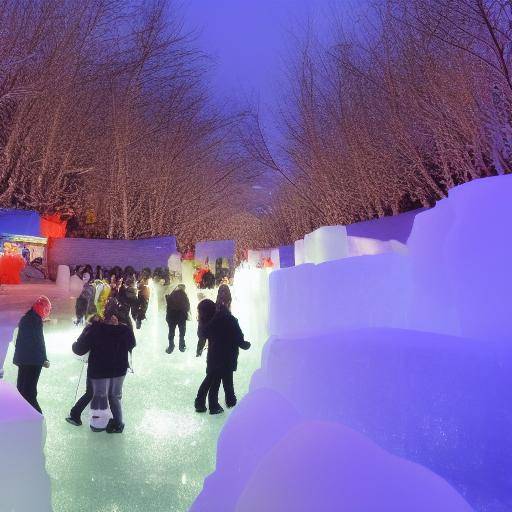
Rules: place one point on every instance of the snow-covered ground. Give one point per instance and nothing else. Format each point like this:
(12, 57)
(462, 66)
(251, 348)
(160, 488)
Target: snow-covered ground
(160, 461)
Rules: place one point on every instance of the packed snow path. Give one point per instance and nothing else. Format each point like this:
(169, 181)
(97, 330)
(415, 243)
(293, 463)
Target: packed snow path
(160, 461)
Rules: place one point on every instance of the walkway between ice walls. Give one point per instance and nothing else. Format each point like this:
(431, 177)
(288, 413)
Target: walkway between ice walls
(24, 483)
(385, 382)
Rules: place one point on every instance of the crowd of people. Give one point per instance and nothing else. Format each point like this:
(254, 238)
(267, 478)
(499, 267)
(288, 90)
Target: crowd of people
(122, 293)
(105, 308)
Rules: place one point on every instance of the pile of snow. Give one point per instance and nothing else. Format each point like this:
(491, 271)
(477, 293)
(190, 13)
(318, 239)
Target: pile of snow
(410, 350)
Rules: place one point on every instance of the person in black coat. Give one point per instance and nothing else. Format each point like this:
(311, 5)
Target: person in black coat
(205, 312)
(178, 309)
(76, 411)
(123, 296)
(108, 344)
(224, 339)
(30, 351)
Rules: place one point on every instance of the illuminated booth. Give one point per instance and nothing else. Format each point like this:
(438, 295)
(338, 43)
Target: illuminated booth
(23, 247)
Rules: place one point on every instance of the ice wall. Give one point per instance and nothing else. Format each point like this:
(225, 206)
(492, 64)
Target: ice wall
(396, 227)
(351, 293)
(299, 252)
(410, 349)
(328, 467)
(325, 244)
(461, 252)
(361, 246)
(25, 485)
(286, 256)
(251, 287)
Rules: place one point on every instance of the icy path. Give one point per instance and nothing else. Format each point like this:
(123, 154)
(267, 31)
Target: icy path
(158, 464)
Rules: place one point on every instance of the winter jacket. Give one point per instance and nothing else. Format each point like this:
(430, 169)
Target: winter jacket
(205, 312)
(178, 305)
(102, 295)
(224, 339)
(30, 347)
(86, 300)
(108, 347)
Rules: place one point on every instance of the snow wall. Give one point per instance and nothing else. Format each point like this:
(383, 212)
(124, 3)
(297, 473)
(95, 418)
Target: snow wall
(406, 355)
(149, 252)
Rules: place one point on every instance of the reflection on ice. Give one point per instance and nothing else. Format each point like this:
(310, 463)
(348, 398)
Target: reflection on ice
(162, 425)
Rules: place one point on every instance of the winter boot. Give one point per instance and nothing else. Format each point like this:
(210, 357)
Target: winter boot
(170, 349)
(217, 409)
(200, 407)
(77, 422)
(231, 403)
(114, 427)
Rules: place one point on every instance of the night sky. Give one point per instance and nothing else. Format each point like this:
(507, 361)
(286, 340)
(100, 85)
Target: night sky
(249, 40)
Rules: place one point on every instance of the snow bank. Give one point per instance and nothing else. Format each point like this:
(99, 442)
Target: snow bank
(25, 483)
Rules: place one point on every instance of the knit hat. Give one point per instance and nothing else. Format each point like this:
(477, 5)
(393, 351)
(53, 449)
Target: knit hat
(42, 306)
